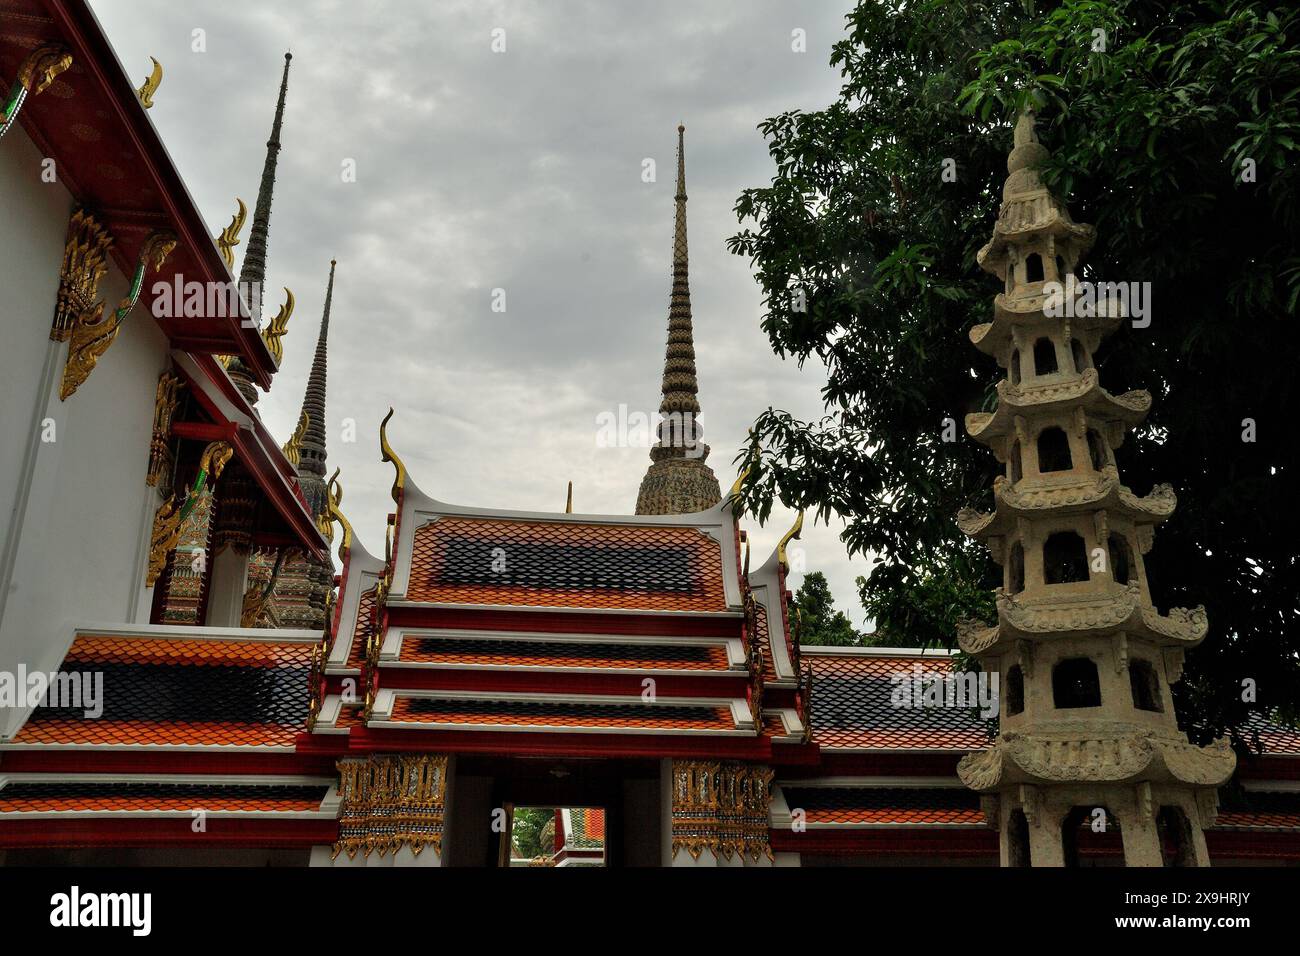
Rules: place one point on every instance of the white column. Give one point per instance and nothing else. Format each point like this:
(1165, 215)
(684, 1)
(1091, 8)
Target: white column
(226, 588)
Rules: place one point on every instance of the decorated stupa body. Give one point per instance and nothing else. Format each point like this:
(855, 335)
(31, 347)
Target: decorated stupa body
(1088, 739)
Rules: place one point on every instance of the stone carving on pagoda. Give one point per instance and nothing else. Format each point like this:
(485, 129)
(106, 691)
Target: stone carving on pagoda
(679, 481)
(1088, 732)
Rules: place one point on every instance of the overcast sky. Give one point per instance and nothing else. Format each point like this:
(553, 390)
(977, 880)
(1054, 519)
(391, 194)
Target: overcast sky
(518, 170)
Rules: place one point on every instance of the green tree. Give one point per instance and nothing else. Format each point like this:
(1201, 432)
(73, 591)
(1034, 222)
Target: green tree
(1174, 128)
(819, 622)
(526, 833)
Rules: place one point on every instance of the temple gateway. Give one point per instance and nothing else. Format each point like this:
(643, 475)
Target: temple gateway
(197, 680)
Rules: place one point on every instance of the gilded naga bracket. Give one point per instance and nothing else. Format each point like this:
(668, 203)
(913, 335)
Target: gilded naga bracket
(36, 73)
(164, 407)
(229, 237)
(85, 262)
(151, 84)
(92, 334)
(399, 481)
(255, 601)
(293, 447)
(274, 332)
(169, 520)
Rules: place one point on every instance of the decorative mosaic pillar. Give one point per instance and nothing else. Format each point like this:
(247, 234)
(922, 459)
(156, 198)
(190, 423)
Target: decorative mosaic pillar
(720, 813)
(392, 810)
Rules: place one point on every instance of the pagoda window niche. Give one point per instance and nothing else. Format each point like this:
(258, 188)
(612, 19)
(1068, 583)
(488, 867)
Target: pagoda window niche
(1045, 357)
(1065, 558)
(1033, 267)
(1075, 684)
(1121, 566)
(1175, 837)
(1097, 453)
(1017, 839)
(1145, 683)
(1081, 361)
(1013, 368)
(1054, 451)
(1015, 690)
(1016, 569)
(1081, 845)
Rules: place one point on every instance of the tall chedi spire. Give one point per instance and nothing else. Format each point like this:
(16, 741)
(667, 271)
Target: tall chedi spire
(305, 583)
(1088, 734)
(252, 274)
(311, 466)
(679, 481)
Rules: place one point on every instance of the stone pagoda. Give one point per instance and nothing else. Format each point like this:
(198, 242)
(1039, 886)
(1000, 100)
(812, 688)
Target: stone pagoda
(1089, 741)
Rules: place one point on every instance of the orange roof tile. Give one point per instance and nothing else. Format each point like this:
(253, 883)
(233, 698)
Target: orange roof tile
(41, 796)
(183, 690)
(458, 560)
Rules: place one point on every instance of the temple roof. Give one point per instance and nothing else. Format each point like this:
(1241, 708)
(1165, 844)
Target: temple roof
(852, 707)
(180, 687)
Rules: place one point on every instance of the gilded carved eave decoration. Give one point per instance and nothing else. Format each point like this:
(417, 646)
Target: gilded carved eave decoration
(721, 806)
(85, 263)
(257, 598)
(40, 68)
(160, 455)
(171, 515)
(1125, 756)
(93, 334)
(319, 658)
(389, 803)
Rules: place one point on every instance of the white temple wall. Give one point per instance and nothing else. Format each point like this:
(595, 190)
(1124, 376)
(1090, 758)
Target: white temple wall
(53, 573)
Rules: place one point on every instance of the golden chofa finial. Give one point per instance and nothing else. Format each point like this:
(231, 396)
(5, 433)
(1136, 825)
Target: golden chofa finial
(399, 482)
(334, 497)
(229, 237)
(568, 501)
(790, 535)
(151, 84)
(274, 331)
